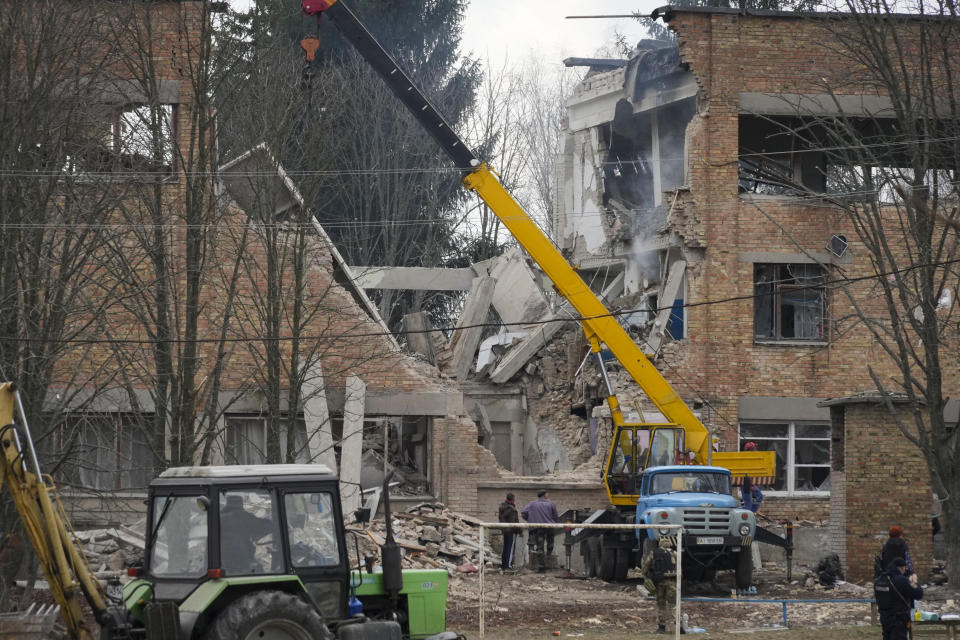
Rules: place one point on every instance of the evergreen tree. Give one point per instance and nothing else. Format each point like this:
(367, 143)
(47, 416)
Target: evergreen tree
(380, 186)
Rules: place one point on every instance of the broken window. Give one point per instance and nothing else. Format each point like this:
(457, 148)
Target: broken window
(406, 439)
(247, 441)
(133, 142)
(104, 451)
(891, 183)
(790, 302)
(803, 453)
(646, 154)
(777, 157)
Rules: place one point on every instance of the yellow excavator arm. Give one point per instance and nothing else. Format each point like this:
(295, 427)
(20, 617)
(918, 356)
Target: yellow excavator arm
(44, 520)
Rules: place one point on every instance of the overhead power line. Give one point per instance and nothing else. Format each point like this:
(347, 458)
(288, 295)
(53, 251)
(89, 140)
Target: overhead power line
(491, 325)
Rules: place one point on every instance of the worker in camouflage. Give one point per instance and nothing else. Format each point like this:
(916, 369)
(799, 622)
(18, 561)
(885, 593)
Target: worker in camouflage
(661, 567)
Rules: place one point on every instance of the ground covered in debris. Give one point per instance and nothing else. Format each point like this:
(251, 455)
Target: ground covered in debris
(527, 604)
(524, 604)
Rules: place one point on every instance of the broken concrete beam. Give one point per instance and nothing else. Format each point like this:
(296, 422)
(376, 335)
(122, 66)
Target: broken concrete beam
(520, 354)
(351, 447)
(670, 290)
(466, 337)
(413, 278)
(517, 298)
(417, 327)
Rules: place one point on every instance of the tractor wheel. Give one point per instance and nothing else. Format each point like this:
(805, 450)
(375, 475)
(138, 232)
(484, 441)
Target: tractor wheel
(744, 572)
(269, 615)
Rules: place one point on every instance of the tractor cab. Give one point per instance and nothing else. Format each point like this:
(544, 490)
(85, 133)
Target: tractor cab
(246, 525)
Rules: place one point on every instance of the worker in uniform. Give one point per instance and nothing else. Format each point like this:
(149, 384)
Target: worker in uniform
(661, 567)
(895, 590)
(540, 542)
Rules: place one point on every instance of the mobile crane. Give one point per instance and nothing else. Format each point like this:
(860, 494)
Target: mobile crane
(682, 439)
(232, 553)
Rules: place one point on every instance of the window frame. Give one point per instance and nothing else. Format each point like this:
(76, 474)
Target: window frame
(117, 144)
(72, 431)
(780, 288)
(790, 459)
(302, 453)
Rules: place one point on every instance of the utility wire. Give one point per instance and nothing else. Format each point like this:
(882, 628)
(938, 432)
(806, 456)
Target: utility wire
(488, 325)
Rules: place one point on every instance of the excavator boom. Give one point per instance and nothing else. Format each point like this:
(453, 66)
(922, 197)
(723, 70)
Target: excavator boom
(44, 520)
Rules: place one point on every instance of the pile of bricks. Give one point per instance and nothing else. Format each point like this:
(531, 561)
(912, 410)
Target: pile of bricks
(431, 536)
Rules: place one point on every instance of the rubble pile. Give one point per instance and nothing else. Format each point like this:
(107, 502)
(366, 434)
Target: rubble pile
(431, 536)
(551, 390)
(114, 549)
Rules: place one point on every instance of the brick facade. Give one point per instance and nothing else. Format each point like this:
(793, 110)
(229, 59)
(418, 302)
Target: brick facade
(731, 54)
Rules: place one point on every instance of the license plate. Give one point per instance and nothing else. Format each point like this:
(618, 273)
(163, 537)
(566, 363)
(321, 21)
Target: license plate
(709, 539)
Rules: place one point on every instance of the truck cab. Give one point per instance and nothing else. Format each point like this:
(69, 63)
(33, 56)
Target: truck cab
(717, 532)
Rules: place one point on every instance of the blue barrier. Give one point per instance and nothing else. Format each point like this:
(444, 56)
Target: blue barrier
(785, 601)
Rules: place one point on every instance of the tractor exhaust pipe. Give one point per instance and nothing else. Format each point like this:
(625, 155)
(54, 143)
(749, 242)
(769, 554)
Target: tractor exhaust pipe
(390, 552)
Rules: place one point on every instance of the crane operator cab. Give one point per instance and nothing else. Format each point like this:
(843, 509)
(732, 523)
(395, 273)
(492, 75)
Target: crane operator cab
(636, 447)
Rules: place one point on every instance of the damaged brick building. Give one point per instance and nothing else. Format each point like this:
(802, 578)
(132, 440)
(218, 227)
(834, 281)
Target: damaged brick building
(676, 177)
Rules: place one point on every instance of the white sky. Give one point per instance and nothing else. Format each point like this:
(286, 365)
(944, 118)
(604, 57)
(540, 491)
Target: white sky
(496, 29)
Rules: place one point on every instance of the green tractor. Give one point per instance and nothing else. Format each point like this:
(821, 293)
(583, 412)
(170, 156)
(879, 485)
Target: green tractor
(260, 552)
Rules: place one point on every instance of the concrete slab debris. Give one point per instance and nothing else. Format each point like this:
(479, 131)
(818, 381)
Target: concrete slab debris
(469, 329)
(414, 278)
(517, 298)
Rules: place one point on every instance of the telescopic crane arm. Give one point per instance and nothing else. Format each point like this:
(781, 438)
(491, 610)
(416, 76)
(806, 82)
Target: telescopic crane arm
(601, 327)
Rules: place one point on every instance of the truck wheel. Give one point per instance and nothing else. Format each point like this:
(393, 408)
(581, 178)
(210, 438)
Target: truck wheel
(623, 565)
(591, 559)
(744, 573)
(608, 562)
(269, 615)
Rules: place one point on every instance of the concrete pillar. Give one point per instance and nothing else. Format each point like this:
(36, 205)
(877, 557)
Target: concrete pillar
(351, 447)
(316, 414)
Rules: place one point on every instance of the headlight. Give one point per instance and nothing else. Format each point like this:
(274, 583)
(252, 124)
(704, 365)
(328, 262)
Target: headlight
(744, 529)
(665, 532)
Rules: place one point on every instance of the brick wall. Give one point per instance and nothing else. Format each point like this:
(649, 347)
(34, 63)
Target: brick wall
(884, 485)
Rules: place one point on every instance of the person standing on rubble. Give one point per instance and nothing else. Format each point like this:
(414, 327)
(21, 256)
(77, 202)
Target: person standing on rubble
(540, 542)
(660, 566)
(508, 513)
(896, 547)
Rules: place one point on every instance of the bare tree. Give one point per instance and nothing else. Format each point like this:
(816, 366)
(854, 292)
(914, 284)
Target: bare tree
(55, 204)
(164, 263)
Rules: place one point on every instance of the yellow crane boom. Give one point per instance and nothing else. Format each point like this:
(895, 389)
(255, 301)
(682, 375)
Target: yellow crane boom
(683, 438)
